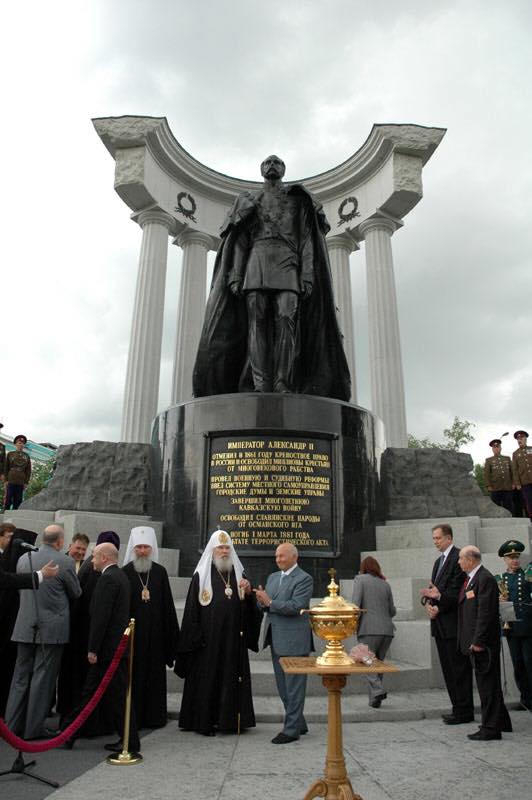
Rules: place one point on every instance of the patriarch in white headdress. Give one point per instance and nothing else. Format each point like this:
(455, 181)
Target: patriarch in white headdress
(220, 552)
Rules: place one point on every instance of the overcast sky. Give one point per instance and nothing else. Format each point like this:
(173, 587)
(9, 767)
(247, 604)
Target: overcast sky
(237, 80)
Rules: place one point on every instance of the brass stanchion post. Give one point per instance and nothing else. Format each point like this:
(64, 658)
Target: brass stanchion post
(125, 757)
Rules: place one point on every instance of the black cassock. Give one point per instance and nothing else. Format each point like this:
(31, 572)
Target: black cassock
(156, 637)
(213, 657)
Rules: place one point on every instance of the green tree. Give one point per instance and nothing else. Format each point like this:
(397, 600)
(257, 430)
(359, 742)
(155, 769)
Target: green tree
(413, 442)
(478, 472)
(41, 472)
(458, 434)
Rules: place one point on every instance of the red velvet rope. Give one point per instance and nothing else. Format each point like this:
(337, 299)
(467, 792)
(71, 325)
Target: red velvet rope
(40, 747)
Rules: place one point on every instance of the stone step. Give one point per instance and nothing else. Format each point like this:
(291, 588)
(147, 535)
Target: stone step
(431, 522)
(412, 643)
(92, 524)
(490, 539)
(400, 706)
(263, 680)
(505, 522)
(89, 522)
(405, 596)
(179, 587)
(397, 536)
(29, 520)
(415, 562)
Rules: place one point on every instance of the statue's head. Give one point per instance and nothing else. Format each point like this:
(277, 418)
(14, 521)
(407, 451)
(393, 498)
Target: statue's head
(272, 167)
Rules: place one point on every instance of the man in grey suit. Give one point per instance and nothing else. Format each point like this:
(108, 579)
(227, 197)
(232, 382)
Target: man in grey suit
(288, 634)
(41, 630)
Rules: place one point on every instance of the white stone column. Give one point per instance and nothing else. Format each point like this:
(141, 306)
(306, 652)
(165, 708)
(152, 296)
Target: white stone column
(190, 310)
(340, 247)
(386, 369)
(144, 360)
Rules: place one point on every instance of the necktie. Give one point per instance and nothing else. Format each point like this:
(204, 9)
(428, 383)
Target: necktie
(462, 590)
(440, 565)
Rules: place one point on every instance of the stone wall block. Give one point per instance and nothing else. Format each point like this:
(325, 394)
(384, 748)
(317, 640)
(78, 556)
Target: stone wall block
(109, 477)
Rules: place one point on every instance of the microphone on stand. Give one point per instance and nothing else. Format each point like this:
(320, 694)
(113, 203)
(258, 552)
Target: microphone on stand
(25, 546)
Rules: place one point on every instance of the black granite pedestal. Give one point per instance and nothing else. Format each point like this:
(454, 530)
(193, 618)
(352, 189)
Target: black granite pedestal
(270, 468)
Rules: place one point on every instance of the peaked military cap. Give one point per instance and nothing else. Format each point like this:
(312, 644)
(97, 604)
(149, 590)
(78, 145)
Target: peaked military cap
(520, 433)
(511, 548)
(21, 436)
(494, 442)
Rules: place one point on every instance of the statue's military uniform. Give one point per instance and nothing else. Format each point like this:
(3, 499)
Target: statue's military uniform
(522, 474)
(17, 474)
(273, 262)
(498, 479)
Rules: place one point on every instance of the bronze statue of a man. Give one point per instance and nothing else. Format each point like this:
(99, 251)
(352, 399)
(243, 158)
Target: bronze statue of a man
(270, 322)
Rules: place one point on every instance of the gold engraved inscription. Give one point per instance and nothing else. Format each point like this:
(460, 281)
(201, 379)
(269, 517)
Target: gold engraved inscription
(273, 490)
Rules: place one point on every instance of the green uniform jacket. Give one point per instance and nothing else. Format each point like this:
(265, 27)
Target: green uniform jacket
(522, 466)
(498, 474)
(18, 468)
(520, 593)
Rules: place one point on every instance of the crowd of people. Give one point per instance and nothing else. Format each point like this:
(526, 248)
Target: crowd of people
(60, 636)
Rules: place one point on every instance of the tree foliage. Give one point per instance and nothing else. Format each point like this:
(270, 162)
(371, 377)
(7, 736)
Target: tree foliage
(478, 472)
(456, 436)
(41, 472)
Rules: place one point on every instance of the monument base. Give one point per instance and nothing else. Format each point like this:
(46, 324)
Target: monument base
(270, 468)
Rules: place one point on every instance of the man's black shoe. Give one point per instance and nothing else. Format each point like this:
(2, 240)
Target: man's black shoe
(114, 747)
(484, 736)
(452, 720)
(283, 738)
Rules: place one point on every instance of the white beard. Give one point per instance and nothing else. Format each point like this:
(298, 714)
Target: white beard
(142, 564)
(223, 564)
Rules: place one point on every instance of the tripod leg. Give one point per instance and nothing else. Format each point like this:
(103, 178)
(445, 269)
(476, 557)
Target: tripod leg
(19, 768)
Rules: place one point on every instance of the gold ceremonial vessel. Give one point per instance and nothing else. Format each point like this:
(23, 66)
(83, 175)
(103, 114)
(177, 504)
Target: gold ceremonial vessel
(334, 620)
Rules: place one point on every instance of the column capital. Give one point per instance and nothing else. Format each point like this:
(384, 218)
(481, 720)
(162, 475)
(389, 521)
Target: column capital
(342, 241)
(380, 221)
(192, 236)
(157, 215)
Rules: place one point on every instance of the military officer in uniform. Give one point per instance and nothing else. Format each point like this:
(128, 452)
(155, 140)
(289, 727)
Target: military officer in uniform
(522, 469)
(516, 585)
(17, 473)
(498, 477)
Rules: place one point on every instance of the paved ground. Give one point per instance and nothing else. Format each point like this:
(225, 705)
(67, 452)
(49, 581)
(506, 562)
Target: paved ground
(404, 753)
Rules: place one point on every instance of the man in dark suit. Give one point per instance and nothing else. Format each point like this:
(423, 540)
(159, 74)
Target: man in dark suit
(109, 617)
(441, 604)
(288, 634)
(479, 636)
(41, 629)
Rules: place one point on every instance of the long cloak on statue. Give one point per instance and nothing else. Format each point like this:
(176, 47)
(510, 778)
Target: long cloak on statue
(222, 365)
(156, 637)
(213, 657)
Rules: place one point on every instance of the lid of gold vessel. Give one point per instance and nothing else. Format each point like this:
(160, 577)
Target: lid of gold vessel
(334, 603)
